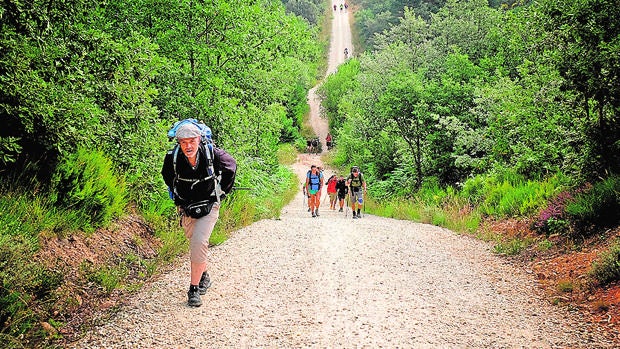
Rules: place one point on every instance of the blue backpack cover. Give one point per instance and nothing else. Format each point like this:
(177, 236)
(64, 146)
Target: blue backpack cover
(205, 132)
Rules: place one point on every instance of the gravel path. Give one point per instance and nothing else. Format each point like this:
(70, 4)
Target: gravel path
(334, 282)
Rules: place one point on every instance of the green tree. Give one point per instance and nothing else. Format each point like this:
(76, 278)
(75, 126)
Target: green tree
(584, 36)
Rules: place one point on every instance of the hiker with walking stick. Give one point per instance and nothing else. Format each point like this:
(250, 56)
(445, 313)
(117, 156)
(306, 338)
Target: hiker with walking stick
(357, 188)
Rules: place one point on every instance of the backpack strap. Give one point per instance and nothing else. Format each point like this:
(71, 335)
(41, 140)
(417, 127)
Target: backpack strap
(210, 171)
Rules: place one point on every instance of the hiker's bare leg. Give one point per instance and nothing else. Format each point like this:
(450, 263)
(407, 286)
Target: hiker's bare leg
(196, 272)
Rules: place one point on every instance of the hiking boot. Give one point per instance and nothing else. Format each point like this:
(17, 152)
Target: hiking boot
(340, 210)
(317, 212)
(313, 214)
(205, 282)
(308, 209)
(354, 216)
(193, 297)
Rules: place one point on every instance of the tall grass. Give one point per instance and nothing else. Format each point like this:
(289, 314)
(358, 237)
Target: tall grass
(499, 196)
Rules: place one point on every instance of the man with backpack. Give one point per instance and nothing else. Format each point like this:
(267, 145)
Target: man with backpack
(199, 176)
(357, 188)
(314, 184)
(342, 190)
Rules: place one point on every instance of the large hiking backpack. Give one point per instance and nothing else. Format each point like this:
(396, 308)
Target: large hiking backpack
(357, 180)
(207, 142)
(205, 132)
(314, 181)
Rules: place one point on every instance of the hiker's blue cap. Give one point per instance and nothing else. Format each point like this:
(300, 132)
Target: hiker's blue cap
(188, 131)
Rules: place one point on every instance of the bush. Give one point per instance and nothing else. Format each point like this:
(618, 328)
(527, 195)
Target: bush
(552, 219)
(86, 183)
(607, 268)
(24, 282)
(598, 207)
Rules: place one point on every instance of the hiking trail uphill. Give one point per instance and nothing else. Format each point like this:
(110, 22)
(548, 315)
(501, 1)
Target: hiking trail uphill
(334, 282)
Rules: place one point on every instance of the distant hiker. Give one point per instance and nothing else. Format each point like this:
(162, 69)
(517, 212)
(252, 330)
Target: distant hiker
(331, 191)
(328, 141)
(334, 7)
(357, 187)
(342, 190)
(314, 183)
(199, 176)
(346, 52)
(315, 146)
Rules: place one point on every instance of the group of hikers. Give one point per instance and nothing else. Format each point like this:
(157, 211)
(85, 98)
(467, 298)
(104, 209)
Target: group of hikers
(338, 188)
(312, 144)
(344, 6)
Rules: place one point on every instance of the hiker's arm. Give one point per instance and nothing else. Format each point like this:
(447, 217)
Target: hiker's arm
(228, 169)
(167, 170)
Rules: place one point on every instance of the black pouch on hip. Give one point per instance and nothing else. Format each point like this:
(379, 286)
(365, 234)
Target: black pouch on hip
(199, 209)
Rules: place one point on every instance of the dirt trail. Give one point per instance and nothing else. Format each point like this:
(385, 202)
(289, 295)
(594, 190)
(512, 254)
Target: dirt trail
(334, 282)
(340, 39)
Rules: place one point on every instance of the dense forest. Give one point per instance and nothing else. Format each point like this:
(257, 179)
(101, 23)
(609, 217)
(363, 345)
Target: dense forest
(486, 108)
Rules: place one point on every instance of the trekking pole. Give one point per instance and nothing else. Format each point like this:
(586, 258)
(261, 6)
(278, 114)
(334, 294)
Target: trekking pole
(242, 188)
(364, 202)
(346, 203)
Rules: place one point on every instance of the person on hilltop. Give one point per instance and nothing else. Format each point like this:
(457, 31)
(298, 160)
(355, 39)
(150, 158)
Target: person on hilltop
(357, 188)
(331, 191)
(342, 190)
(199, 177)
(314, 183)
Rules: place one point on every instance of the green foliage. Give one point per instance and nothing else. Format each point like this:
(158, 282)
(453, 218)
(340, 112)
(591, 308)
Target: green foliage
(334, 89)
(307, 9)
(108, 277)
(596, 208)
(588, 34)
(24, 282)
(87, 183)
(375, 17)
(512, 247)
(607, 268)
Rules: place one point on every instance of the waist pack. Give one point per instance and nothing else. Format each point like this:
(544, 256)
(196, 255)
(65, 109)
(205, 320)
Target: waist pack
(198, 209)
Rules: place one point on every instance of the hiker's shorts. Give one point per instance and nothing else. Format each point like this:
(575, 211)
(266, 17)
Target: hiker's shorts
(198, 231)
(332, 197)
(356, 195)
